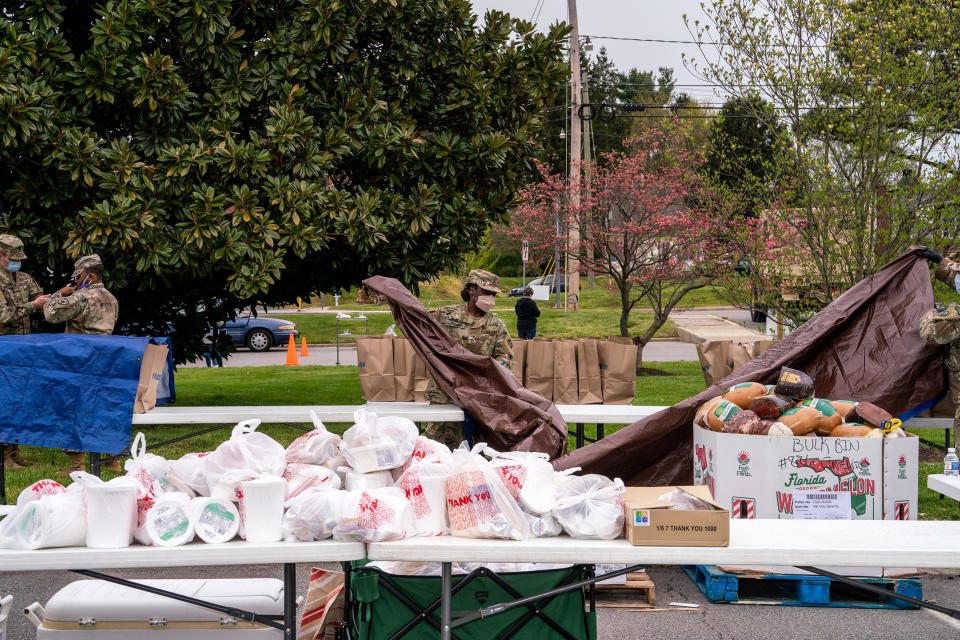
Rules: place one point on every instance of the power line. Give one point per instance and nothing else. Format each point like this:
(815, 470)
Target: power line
(696, 42)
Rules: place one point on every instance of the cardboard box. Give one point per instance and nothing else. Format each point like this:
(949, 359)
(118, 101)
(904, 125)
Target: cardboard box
(757, 476)
(649, 521)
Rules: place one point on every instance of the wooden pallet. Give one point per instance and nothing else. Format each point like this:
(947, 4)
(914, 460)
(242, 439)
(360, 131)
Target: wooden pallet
(798, 590)
(637, 593)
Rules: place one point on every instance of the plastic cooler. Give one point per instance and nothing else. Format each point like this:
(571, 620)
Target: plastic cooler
(94, 609)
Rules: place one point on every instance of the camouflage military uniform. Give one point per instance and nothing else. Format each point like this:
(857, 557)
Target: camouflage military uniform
(16, 303)
(90, 308)
(942, 326)
(484, 336)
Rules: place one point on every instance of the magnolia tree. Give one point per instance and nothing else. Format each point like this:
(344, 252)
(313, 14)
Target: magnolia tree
(642, 225)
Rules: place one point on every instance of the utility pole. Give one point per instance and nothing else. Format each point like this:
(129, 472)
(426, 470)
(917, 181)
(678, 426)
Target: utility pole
(588, 173)
(576, 149)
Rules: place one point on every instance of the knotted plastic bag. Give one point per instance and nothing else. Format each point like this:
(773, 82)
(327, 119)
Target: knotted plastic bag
(186, 473)
(376, 515)
(528, 476)
(301, 477)
(425, 447)
(590, 506)
(247, 455)
(312, 515)
(314, 447)
(378, 444)
(478, 503)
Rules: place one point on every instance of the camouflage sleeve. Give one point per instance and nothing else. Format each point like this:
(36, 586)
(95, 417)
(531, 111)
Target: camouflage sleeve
(503, 347)
(10, 313)
(34, 290)
(63, 308)
(941, 327)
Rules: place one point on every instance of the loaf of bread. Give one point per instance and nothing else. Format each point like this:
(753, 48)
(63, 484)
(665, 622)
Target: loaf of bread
(843, 407)
(770, 406)
(720, 413)
(743, 394)
(829, 418)
(852, 431)
(794, 384)
(700, 420)
(801, 420)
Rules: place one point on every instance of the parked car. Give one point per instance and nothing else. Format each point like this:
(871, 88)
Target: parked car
(260, 333)
(516, 292)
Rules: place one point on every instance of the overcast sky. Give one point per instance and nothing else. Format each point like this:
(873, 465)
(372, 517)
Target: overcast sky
(647, 19)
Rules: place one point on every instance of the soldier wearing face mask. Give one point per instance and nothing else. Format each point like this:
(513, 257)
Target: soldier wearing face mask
(942, 326)
(20, 297)
(481, 332)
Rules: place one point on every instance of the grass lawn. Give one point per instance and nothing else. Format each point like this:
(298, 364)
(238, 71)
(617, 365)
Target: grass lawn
(589, 323)
(340, 385)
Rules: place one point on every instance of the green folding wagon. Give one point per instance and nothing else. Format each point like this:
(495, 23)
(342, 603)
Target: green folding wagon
(383, 606)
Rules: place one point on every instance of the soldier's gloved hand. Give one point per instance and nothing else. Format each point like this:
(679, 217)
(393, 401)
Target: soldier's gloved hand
(930, 254)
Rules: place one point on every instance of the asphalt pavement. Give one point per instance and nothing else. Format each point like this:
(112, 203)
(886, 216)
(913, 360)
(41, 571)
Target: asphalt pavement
(707, 622)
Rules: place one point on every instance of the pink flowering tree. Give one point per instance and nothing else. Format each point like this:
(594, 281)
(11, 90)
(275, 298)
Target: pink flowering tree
(646, 224)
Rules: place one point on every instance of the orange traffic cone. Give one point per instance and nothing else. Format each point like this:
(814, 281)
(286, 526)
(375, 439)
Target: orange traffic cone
(303, 347)
(291, 352)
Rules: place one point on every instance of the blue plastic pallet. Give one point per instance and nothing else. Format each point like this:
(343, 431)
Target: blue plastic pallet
(799, 591)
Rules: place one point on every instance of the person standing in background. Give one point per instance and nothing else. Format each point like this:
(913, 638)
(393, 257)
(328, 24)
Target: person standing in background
(20, 297)
(527, 314)
(87, 307)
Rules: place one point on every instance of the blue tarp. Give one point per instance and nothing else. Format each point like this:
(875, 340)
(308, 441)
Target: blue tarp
(71, 391)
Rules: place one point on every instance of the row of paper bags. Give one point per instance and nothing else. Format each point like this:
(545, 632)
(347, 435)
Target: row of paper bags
(577, 371)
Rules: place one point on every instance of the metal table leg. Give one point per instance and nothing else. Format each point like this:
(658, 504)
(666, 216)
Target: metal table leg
(599, 432)
(580, 435)
(3, 476)
(289, 601)
(446, 585)
(95, 463)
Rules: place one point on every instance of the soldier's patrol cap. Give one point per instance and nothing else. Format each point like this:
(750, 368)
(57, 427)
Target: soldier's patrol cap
(85, 262)
(485, 280)
(12, 247)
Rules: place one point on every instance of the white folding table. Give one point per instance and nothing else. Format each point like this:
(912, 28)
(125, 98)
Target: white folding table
(84, 561)
(858, 543)
(944, 485)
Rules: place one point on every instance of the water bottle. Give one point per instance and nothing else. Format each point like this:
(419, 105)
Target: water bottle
(951, 463)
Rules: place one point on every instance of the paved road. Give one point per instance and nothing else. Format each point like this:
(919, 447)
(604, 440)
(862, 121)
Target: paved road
(709, 622)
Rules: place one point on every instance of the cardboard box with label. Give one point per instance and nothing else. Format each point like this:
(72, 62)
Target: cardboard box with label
(650, 521)
(762, 476)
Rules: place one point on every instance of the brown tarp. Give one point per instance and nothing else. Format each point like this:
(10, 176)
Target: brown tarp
(510, 416)
(864, 346)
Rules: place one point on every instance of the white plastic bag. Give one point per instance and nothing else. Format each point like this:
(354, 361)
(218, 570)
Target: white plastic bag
(51, 520)
(590, 506)
(140, 469)
(425, 486)
(376, 444)
(478, 503)
(186, 473)
(314, 447)
(376, 515)
(248, 454)
(312, 515)
(424, 447)
(140, 461)
(45, 487)
(543, 525)
(353, 480)
(301, 477)
(529, 477)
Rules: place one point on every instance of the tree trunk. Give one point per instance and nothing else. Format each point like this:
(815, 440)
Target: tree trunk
(625, 307)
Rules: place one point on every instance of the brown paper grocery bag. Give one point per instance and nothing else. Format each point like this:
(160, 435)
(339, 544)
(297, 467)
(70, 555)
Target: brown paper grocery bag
(565, 389)
(618, 367)
(720, 358)
(151, 369)
(420, 380)
(519, 359)
(404, 370)
(588, 373)
(539, 372)
(375, 367)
